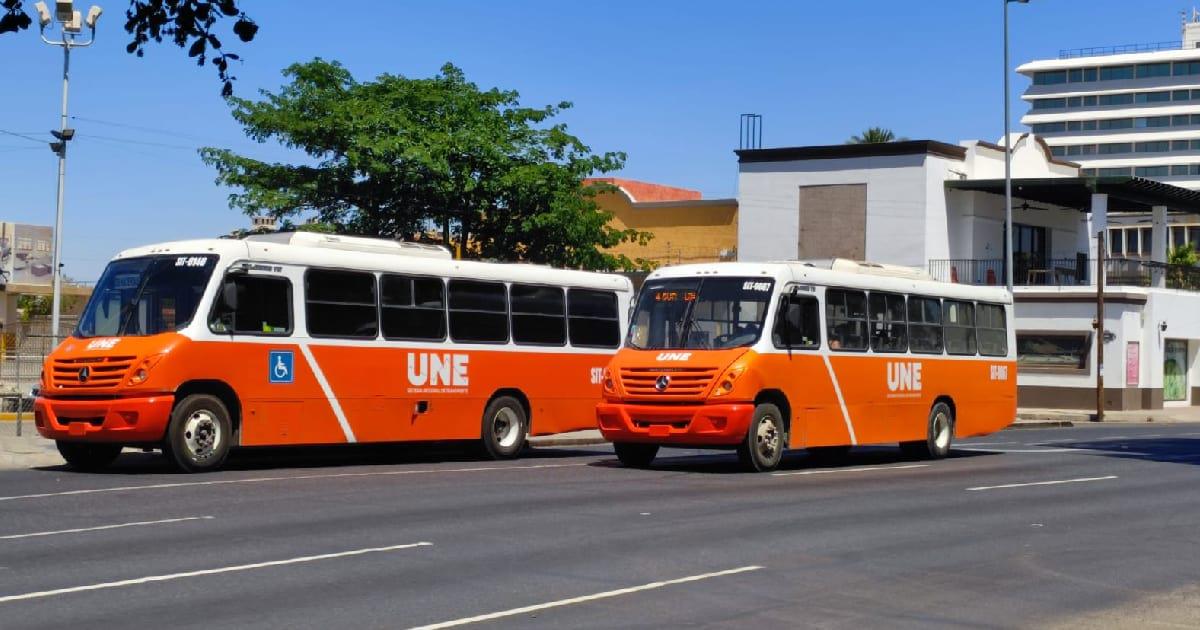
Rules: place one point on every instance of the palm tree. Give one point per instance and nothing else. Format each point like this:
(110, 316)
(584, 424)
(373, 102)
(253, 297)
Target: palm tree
(875, 135)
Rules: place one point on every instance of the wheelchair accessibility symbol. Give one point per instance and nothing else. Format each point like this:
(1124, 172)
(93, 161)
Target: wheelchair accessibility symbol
(281, 363)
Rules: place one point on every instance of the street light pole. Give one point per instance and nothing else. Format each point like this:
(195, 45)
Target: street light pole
(71, 24)
(1008, 226)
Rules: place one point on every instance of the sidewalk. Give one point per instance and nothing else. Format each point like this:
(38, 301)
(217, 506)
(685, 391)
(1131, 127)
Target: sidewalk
(28, 450)
(1168, 415)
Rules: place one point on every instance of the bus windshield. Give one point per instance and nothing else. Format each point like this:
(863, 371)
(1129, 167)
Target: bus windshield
(146, 296)
(700, 313)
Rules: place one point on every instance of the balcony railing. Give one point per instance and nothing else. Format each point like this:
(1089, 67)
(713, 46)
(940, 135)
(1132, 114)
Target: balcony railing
(1098, 51)
(1065, 272)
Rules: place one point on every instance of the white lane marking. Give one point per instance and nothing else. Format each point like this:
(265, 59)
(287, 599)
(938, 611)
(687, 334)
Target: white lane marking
(1022, 450)
(222, 482)
(837, 389)
(104, 527)
(188, 574)
(1043, 483)
(826, 471)
(584, 598)
(986, 443)
(329, 395)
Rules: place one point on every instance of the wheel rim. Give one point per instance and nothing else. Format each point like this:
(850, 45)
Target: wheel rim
(941, 430)
(766, 438)
(506, 427)
(202, 435)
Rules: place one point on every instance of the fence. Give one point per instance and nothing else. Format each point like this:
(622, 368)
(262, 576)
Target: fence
(21, 356)
(1130, 272)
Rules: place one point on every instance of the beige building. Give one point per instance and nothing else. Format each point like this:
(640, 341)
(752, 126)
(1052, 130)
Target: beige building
(687, 228)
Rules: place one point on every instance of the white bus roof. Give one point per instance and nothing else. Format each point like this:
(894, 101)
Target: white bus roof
(864, 276)
(381, 256)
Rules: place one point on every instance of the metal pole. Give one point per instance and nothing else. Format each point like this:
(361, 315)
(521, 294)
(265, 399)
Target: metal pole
(56, 278)
(1008, 228)
(1100, 257)
(19, 414)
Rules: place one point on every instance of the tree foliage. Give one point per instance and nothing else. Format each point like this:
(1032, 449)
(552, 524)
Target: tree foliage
(188, 24)
(402, 157)
(875, 135)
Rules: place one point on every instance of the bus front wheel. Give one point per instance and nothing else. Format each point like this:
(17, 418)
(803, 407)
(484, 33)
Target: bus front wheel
(633, 455)
(504, 427)
(200, 434)
(939, 435)
(762, 448)
(87, 456)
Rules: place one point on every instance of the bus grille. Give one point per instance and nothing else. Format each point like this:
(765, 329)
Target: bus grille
(684, 383)
(102, 372)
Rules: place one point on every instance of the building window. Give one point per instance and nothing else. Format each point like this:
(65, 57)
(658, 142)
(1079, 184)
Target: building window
(1117, 73)
(1116, 123)
(1158, 146)
(1151, 171)
(1058, 151)
(1050, 103)
(412, 308)
(1115, 172)
(846, 319)
(1041, 128)
(1179, 145)
(1053, 351)
(1110, 148)
(1050, 78)
(1176, 236)
(1186, 67)
(1075, 76)
(340, 304)
(1152, 97)
(1151, 70)
(889, 328)
(1181, 95)
(1152, 121)
(1073, 125)
(1116, 242)
(1089, 101)
(1179, 169)
(478, 311)
(1132, 242)
(993, 334)
(1115, 99)
(1088, 125)
(593, 319)
(925, 325)
(539, 315)
(1073, 101)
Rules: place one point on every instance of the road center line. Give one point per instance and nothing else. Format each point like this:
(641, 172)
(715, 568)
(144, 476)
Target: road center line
(827, 471)
(222, 482)
(1043, 483)
(187, 574)
(584, 598)
(103, 527)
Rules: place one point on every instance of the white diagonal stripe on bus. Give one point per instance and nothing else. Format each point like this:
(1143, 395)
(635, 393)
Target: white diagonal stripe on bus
(837, 389)
(329, 395)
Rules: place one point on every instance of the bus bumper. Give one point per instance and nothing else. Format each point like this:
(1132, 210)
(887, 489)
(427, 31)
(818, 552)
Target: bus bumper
(699, 425)
(126, 420)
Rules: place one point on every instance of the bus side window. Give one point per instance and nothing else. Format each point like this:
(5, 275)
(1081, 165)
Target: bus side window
(959, 321)
(993, 334)
(539, 315)
(846, 319)
(478, 311)
(925, 325)
(592, 318)
(341, 304)
(253, 305)
(889, 326)
(412, 307)
(797, 325)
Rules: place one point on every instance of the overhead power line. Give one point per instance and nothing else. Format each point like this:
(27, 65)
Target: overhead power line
(138, 142)
(21, 135)
(110, 123)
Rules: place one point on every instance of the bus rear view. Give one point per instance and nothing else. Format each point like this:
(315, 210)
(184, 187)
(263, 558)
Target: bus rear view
(765, 357)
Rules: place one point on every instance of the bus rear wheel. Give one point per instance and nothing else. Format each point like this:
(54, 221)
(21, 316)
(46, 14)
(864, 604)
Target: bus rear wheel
(762, 448)
(87, 456)
(505, 425)
(939, 435)
(635, 455)
(200, 434)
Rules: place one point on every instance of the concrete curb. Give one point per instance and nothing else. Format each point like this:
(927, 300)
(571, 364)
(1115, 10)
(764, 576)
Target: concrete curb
(1040, 424)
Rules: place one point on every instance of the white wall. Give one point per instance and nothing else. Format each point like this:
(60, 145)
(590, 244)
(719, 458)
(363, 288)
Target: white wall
(769, 205)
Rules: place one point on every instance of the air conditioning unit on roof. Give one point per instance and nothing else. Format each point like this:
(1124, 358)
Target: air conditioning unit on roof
(352, 244)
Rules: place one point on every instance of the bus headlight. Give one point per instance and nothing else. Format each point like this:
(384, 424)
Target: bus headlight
(725, 383)
(610, 386)
(142, 372)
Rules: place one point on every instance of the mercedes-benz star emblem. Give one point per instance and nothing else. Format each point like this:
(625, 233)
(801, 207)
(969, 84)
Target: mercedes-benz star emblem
(84, 374)
(661, 382)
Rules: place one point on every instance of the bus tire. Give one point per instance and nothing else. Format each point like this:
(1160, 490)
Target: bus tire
(634, 455)
(200, 434)
(87, 456)
(939, 434)
(504, 427)
(763, 445)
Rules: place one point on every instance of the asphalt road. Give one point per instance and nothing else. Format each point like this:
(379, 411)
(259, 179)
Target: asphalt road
(564, 538)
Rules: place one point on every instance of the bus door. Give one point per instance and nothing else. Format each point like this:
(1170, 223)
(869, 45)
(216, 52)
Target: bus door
(800, 369)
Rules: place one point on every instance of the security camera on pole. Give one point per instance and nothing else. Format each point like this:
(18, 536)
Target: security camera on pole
(71, 23)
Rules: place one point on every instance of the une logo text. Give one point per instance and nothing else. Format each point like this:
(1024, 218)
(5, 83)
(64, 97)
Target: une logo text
(674, 356)
(904, 376)
(437, 369)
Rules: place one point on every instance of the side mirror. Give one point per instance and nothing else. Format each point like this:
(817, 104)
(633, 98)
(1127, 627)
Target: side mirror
(229, 294)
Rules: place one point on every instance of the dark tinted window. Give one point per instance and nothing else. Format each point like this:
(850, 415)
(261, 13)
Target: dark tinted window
(340, 304)
(889, 324)
(478, 311)
(538, 315)
(263, 306)
(958, 319)
(925, 325)
(846, 319)
(592, 318)
(798, 323)
(993, 335)
(412, 308)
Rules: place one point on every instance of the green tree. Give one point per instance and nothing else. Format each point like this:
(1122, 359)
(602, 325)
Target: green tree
(188, 24)
(875, 135)
(1183, 273)
(401, 157)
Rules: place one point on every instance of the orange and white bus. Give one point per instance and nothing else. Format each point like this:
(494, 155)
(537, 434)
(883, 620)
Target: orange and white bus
(195, 347)
(764, 357)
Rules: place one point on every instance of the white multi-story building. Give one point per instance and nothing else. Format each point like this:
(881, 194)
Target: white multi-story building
(1122, 110)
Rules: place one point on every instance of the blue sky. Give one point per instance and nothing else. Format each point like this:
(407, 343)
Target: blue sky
(664, 81)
